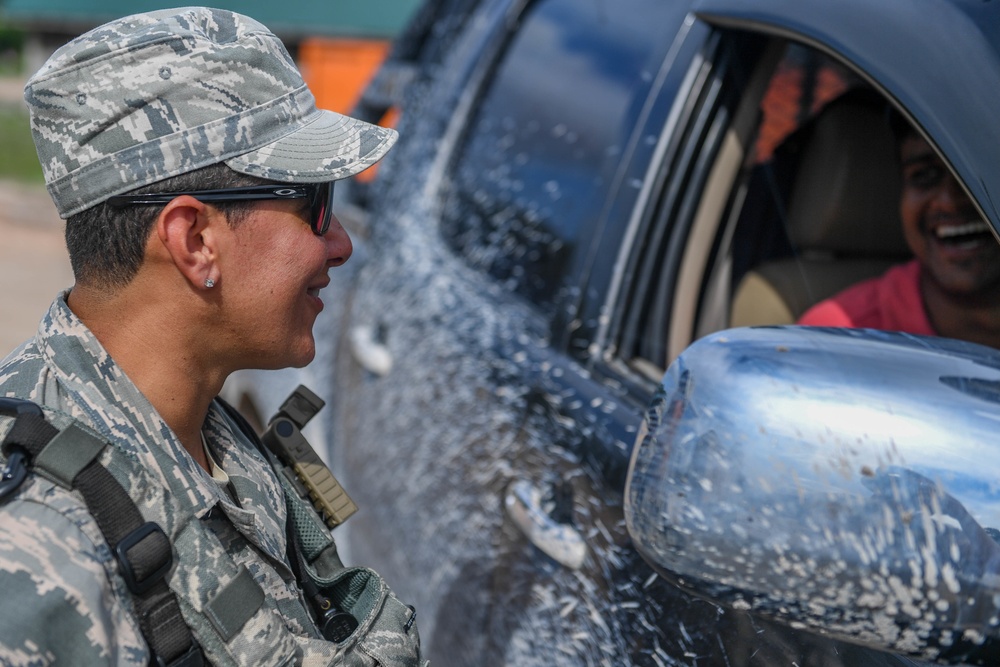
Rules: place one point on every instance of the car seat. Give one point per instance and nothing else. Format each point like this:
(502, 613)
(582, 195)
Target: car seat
(842, 215)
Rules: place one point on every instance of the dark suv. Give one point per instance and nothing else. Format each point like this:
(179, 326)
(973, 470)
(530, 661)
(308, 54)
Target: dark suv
(582, 189)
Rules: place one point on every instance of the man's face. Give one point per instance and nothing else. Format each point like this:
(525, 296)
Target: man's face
(275, 271)
(949, 238)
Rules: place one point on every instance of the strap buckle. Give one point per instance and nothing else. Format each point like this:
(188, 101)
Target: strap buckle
(191, 658)
(13, 407)
(153, 557)
(14, 473)
(16, 467)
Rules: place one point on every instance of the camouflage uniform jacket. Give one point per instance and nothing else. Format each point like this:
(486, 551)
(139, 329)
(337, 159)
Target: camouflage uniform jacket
(63, 600)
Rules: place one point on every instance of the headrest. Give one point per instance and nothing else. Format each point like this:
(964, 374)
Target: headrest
(845, 199)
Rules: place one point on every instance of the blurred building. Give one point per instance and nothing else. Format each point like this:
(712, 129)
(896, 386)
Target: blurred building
(337, 43)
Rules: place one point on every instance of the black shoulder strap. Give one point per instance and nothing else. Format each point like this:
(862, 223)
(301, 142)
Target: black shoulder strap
(142, 549)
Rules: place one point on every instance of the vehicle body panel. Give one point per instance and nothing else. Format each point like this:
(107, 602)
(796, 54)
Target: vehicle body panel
(473, 416)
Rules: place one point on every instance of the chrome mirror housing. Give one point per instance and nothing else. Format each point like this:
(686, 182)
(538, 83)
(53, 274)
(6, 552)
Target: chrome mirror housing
(841, 481)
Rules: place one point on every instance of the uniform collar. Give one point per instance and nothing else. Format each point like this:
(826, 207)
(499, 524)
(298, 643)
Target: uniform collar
(105, 399)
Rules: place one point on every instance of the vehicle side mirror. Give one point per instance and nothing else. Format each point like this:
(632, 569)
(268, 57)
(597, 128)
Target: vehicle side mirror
(845, 482)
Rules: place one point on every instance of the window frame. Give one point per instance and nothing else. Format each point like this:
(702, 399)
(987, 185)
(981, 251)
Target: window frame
(691, 138)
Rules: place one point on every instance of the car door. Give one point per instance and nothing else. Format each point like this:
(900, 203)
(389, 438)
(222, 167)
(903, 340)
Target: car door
(661, 272)
(462, 289)
(570, 232)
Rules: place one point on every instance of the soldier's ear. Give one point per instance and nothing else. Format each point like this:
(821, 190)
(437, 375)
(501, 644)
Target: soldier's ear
(187, 231)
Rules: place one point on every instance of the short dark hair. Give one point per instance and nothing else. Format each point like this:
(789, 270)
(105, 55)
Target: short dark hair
(107, 244)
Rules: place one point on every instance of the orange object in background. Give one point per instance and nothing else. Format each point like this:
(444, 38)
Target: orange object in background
(337, 71)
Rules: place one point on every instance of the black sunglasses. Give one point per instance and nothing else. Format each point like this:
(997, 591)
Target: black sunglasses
(320, 196)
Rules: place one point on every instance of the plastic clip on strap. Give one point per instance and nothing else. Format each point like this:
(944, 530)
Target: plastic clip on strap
(284, 438)
(30, 425)
(141, 548)
(14, 473)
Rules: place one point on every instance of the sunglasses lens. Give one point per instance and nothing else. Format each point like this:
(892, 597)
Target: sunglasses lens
(322, 208)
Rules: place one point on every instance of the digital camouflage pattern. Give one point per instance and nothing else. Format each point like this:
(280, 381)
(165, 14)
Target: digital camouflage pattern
(64, 601)
(154, 95)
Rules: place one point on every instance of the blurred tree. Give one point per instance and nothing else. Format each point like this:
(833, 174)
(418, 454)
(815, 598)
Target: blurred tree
(11, 45)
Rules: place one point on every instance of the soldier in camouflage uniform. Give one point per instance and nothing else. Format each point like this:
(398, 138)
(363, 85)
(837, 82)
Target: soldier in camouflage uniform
(172, 294)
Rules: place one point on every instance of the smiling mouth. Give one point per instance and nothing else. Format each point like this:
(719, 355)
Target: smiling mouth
(968, 235)
(313, 291)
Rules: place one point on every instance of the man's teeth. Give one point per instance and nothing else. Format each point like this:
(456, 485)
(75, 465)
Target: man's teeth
(947, 232)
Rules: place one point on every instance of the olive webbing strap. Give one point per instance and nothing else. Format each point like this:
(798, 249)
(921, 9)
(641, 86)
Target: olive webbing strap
(142, 548)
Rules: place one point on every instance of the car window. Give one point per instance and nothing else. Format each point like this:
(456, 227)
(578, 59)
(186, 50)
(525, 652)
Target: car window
(709, 143)
(536, 165)
(768, 235)
(757, 231)
(803, 81)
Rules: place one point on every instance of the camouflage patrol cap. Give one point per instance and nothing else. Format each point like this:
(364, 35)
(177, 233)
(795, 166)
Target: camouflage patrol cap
(158, 94)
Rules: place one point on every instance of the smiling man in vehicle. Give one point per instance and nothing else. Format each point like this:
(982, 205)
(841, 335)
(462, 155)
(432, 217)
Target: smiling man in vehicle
(951, 287)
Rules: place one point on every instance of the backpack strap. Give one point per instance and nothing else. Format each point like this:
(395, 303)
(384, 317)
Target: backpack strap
(70, 458)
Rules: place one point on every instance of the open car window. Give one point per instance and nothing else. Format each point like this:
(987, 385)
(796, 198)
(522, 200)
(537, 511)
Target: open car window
(790, 194)
(822, 197)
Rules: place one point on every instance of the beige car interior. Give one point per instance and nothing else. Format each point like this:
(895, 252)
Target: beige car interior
(842, 218)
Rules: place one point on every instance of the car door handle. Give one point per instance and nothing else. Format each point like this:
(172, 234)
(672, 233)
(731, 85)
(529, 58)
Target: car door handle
(560, 541)
(369, 350)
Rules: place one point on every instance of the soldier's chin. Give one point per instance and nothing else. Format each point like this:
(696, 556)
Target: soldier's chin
(297, 357)
(303, 359)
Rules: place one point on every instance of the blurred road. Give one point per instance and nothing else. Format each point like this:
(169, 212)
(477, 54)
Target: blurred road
(34, 266)
(12, 89)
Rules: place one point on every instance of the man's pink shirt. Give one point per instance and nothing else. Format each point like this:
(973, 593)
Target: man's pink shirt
(890, 302)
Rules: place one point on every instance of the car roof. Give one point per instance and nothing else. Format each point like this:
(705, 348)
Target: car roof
(938, 59)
